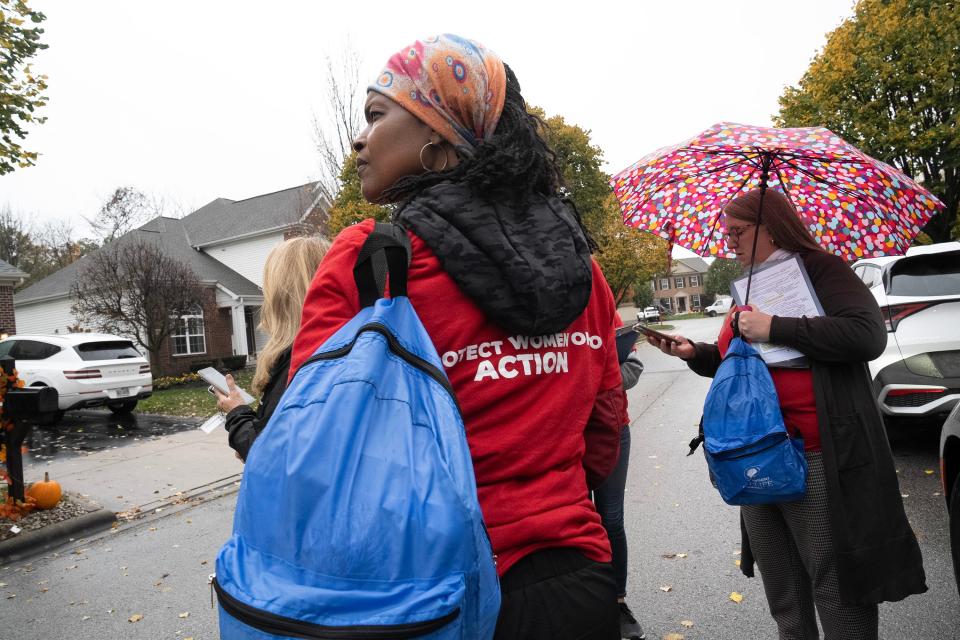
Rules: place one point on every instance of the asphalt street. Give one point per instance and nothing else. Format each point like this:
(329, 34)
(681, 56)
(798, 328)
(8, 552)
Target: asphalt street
(684, 545)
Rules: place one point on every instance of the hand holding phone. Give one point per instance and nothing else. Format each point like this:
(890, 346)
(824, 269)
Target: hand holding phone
(219, 382)
(653, 333)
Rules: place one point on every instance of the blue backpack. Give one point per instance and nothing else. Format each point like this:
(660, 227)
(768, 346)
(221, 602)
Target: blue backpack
(751, 457)
(358, 513)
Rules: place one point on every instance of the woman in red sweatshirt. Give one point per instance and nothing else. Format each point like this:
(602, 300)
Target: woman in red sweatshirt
(502, 278)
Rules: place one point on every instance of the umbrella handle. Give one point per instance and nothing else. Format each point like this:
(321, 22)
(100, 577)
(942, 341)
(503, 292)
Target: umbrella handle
(765, 163)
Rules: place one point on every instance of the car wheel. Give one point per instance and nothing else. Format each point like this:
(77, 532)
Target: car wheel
(955, 529)
(123, 407)
(712, 314)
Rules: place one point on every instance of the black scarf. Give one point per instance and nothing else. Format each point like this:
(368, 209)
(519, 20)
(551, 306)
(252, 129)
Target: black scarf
(527, 268)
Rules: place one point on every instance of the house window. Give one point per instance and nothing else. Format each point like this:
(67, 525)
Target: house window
(694, 281)
(695, 300)
(666, 303)
(678, 282)
(664, 284)
(187, 337)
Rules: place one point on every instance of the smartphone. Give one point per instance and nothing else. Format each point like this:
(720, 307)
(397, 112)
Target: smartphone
(647, 331)
(217, 380)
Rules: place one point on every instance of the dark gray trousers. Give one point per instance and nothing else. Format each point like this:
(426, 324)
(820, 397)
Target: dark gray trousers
(793, 547)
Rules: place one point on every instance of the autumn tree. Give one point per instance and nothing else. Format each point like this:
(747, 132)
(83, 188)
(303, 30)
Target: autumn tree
(21, 91)
(349, 207)
(720, 274)
(39, 249)
(131, 288)
(886, 81)
(628, 257)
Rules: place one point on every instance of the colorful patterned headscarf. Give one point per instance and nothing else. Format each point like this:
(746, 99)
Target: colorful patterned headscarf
(455, 85)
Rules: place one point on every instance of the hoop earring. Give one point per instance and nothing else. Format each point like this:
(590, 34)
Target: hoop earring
(423, 164)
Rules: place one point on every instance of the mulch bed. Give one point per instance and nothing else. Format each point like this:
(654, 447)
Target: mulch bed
(70, 506)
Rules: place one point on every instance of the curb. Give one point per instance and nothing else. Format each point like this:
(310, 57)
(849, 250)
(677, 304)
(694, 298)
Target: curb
(33, 543)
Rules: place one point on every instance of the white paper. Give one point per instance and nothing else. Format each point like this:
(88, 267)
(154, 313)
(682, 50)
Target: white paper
(780, 289)
(213, 422)
(15, 529)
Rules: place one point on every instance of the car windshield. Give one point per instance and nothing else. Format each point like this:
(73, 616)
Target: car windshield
(926, 275)
(107, 350)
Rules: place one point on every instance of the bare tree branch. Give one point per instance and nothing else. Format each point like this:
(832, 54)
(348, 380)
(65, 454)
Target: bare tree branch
(133, 289)
(341, 118)
(125, 209)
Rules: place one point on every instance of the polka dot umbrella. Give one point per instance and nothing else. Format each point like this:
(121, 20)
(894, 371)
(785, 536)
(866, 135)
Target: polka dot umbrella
(855, 206)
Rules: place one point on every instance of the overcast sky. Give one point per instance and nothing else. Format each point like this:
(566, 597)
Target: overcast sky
(192, 101)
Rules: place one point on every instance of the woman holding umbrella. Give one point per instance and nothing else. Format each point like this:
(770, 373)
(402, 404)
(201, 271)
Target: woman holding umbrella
(847, 545)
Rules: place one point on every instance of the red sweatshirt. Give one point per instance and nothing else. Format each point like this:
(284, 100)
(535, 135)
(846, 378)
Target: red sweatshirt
(541, 413)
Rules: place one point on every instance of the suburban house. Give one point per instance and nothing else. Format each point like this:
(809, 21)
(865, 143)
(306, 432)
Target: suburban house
(225, 243)
(681, 289)
(10, 277)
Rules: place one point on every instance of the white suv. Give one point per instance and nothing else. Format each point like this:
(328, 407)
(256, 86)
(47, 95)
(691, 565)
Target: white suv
(919, 294)
(86, 369)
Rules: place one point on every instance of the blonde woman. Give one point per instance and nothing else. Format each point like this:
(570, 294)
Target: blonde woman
(286, 277)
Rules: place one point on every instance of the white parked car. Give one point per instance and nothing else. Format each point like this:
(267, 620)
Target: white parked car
(918, 374)
(86, 369)
(720, 306)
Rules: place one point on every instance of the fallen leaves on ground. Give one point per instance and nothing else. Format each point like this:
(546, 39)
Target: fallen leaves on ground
(135, 618)
(185, 614)
(736, 597)
(673, 636)
(666, 588)
(686, 624)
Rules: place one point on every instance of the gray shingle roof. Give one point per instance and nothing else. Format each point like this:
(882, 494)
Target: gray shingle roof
(696, 263)
(10, 272)
(170, 234)
(223, 219)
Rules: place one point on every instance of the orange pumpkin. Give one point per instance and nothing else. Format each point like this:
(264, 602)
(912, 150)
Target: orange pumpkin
(46, 493)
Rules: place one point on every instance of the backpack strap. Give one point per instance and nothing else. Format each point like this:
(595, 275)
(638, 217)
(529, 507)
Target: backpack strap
(696, 442)
(386, 251)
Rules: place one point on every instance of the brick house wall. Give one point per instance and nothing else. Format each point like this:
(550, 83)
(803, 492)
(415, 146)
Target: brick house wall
(218, 335)
(680, 285)
(8, 323)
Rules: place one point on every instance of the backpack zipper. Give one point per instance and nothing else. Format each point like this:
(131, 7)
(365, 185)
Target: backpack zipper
(395, 347)
(775, 438)
(291, 628)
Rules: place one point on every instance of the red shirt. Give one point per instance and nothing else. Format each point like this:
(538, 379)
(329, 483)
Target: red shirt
(795, 391)
(526, 401)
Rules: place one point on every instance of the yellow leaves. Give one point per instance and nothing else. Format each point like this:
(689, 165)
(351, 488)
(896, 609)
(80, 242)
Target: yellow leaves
(686, 624)
(736, 597)
(666, 588)
(135, 618)
(185, 614)
(929, 472)
(673, 636)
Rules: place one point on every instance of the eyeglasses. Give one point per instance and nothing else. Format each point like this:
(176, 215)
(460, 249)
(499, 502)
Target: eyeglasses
(734, 233)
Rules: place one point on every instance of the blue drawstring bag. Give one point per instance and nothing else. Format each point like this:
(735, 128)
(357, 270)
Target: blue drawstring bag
(752, 458)
(358, 514)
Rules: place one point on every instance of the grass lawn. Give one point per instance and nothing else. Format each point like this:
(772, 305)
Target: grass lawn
(686, 316)
(190, 399)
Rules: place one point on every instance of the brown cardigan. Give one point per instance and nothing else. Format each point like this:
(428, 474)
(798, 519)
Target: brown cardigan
(878, 558)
